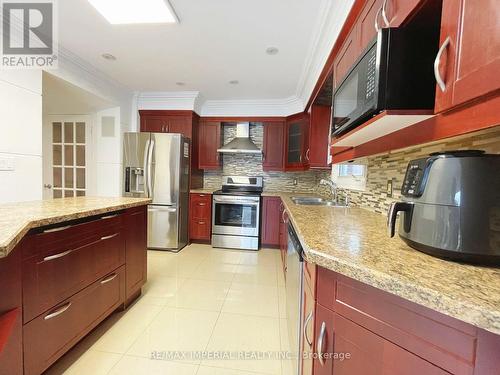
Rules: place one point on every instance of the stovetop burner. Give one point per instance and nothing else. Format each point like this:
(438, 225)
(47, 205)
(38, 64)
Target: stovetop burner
(241, 186)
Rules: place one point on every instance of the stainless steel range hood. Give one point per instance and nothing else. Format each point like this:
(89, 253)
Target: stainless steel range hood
(242, 144)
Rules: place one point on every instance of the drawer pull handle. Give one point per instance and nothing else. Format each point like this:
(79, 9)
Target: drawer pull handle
(58, 312)
(201, 195)
(108, 237)
(321, 341)
(201, 222)
(202, 204)
(306, 324)
(109, 217)
(108, 279)
(57, 256)
(58, 229)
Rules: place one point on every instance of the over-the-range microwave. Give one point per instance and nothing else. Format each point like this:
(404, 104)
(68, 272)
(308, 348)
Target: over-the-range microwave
(395, 72)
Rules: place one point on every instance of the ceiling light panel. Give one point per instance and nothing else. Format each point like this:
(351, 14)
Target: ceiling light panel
(119, 12)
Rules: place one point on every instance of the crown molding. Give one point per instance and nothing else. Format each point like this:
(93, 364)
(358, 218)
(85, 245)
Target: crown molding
(332, 17)
(168, 100)
(252, 108)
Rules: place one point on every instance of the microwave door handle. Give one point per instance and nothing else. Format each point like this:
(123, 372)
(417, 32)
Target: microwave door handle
(392, 214)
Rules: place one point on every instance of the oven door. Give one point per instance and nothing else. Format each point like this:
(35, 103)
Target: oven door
(237, 216)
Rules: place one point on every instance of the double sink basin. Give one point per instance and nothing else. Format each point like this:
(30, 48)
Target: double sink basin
(315, 201)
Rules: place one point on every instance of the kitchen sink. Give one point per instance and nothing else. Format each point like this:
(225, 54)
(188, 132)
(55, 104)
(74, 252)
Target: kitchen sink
(315, 201)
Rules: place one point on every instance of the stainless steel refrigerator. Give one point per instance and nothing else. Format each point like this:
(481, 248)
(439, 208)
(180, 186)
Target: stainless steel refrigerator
(156, 165)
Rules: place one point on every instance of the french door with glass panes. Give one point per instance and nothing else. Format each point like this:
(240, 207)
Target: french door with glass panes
(70, 139)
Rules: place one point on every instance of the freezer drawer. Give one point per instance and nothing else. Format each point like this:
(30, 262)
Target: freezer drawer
(163, 227)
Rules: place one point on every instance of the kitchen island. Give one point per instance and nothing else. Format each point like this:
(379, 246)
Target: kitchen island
(65, 265)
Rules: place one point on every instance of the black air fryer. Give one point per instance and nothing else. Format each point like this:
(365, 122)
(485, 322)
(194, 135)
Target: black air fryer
(451, 207)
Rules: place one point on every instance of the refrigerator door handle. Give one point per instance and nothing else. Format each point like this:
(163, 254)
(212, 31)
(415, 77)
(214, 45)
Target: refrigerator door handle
(149, 177)
(145, 168)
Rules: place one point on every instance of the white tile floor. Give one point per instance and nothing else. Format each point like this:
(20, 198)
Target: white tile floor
(201, 299)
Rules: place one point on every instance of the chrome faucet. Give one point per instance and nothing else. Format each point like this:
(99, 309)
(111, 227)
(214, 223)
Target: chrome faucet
(333, 187)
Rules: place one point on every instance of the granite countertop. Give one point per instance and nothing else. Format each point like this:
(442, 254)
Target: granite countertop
(354, 243)
(16, 219)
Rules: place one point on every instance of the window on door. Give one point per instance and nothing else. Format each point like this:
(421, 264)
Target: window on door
(68, 159)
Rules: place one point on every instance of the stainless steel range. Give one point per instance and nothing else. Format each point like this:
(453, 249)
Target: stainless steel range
(236, 213)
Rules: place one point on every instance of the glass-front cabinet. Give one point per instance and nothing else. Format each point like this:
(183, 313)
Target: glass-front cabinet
(297, 142)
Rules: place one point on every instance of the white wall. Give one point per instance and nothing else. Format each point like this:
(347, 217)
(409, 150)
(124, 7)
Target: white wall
(108, 167)
(21, 135)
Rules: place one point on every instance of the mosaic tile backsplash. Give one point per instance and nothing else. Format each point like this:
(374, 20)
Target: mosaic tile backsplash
(251, 165)
(382, 168)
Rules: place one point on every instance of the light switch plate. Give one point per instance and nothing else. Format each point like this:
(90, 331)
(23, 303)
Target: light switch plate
(7, 164)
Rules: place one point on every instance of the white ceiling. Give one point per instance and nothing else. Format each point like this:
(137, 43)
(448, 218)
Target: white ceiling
(216, 41)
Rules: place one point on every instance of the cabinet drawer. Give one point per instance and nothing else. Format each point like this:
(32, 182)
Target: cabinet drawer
(60, 270)
(49, 336)
(200, 229)
(444, 341)
(201, 207)
(372, 354)
(72, 233)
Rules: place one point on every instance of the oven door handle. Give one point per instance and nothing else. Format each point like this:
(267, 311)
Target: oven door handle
(236, 202)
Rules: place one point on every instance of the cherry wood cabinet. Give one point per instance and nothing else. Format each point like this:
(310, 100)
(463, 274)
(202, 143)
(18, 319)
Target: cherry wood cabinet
(210, 139)
(11, 351)
(273, 146)
(469, 61)
(135, 250)
(308, 320)
(283, 236)
(372, 354)
(396, 12)
(296, 142)
(158, 121)
(64, 261)
(318, 153)
(74, 274)
(50, 335)
(271, 217)
(200, 217)
(385, 334)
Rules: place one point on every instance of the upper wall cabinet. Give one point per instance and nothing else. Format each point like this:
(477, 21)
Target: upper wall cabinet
(273, 149)
(158, 121)
(210, 139)
(318, 153)
(297, 142)
(468, 61)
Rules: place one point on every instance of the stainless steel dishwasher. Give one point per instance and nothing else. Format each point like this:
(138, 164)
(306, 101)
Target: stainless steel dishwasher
(294, 285)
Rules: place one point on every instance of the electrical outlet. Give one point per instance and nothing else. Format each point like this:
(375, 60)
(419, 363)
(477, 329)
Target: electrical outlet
(295, 182)
(390, 184)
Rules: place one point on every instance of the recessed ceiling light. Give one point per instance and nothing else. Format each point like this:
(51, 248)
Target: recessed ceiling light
(234, 82)
(180, 83)
(108, 56)
(133, 11)
(272, 51)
